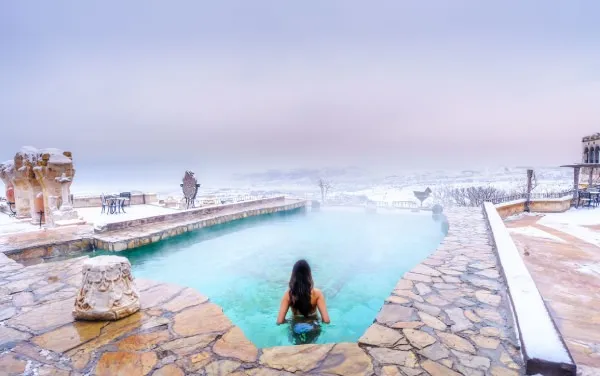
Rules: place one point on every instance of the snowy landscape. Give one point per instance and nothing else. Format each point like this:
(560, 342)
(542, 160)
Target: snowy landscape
(354, 186)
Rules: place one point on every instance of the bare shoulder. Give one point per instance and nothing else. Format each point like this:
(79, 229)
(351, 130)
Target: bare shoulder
(317, 292)
(286, 295)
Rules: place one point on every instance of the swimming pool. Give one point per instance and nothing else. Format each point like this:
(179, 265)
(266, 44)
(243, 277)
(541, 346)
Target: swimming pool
(244, 266)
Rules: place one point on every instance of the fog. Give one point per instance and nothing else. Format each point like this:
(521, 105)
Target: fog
(145, 90)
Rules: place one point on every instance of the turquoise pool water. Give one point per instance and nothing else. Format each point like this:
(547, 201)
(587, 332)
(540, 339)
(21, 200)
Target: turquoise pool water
(244, 266)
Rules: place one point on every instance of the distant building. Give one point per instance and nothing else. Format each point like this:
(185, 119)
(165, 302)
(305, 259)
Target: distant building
(588, 169)
(590, 149)
(590, 154)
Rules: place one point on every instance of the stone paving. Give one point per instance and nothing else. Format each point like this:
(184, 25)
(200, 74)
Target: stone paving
(567, 273)
(450, 314)
(447, 316)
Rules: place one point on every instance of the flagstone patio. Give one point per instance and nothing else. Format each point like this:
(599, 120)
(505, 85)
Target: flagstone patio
(447, 316)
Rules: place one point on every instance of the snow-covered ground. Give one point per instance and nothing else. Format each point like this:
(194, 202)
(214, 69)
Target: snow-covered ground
(351, 185)
(579, 217)
(535, 233)
(573, 222)
(11, 225)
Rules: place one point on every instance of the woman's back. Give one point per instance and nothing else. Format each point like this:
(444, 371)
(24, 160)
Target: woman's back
(314, 297)
(301, 296)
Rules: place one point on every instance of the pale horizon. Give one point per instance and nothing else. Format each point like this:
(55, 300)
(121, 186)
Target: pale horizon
(233, 87)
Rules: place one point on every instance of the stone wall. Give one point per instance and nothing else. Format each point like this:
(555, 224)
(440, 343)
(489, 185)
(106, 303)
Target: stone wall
(96, 201)
(185, 215)
(549, 205)
(510, 208)
(105, 243)
(39, 253)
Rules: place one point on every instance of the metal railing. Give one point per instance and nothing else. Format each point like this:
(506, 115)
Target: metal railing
(503, 199)
(242, 198)
(568, 192)
(397, 204)
(533, 196)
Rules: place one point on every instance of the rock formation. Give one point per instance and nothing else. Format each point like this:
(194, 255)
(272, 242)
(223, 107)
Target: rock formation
(48, 172)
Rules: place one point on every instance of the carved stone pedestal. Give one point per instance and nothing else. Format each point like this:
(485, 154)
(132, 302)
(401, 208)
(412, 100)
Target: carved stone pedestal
(108, 291)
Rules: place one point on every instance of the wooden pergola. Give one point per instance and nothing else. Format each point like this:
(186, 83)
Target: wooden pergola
(576, 170)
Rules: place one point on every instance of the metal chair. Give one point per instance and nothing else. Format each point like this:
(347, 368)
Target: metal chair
(11, 205)
(126, 195)
(596, 199)
(108, 205)
(103, 203)
(121, 204)
(585, 198)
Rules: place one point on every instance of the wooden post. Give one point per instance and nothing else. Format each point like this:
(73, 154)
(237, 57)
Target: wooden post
(576, 171)
(529, 185)
(590, 178)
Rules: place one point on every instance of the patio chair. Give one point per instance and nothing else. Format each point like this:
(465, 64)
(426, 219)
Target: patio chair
(103, 203)
(585, 199)
(127, 195)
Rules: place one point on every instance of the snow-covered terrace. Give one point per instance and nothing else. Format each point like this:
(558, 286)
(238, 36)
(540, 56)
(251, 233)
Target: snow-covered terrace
(542, 344)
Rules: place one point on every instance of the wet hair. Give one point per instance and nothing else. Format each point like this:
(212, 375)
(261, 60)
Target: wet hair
(301, 284)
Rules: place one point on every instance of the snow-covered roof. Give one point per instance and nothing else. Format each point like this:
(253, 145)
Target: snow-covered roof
(59, 159)
(57, 156)
(7, 165)
(592, 137)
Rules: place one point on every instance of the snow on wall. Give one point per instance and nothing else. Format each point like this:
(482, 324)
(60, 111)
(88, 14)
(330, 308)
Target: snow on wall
(513, 202)
(56, 155)
(539, 337)
(7, 166)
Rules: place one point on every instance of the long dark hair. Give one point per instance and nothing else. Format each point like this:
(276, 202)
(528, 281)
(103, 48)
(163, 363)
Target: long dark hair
(301, 284)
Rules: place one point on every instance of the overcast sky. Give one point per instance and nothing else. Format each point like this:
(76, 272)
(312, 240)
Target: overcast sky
(239, 85)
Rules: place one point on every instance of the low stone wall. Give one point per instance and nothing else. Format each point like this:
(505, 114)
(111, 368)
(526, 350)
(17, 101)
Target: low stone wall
(551, 205)
(39, 253)
(547, 205)
(94, 201)
(185, 215)
(105, 243)
(510, 208)
(543, 347)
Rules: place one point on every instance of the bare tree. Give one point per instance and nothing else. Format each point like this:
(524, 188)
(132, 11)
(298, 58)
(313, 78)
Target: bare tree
(445, 195)
(474, 196)
(520, 185)
(324, 186)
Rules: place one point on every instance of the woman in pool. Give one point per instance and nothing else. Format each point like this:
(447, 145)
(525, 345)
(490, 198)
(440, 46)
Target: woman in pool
(304, 299)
